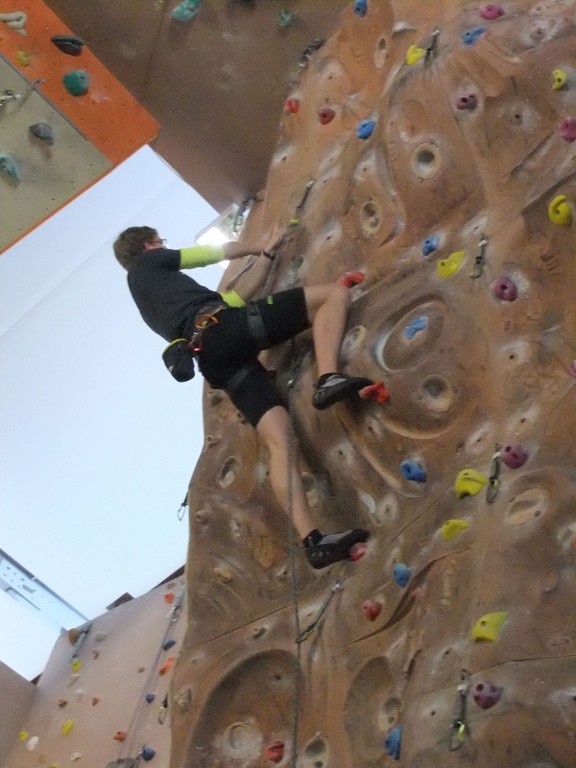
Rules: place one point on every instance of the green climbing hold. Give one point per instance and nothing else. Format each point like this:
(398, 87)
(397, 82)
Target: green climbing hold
(186, 10)
(9, 166)
(77, 82)
(285, 18)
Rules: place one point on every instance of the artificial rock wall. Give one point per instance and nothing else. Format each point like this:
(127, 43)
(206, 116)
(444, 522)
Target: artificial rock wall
(453, 641)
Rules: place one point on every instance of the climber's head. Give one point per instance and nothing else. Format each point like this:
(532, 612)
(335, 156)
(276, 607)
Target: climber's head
(130, 244)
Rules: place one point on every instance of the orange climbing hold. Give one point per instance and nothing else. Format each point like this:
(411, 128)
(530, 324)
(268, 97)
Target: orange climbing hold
(120, 736)
(376, 391)
(169, 597)
(167, 666)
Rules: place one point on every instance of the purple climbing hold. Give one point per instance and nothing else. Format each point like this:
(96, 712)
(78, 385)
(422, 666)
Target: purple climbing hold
(469, 102)
(486, 694)
(514, 456)
(505, 289)
(148, 753)
(491, 12)
(150, 697)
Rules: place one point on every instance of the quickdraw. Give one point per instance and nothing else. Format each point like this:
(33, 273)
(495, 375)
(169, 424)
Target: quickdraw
(459, 729)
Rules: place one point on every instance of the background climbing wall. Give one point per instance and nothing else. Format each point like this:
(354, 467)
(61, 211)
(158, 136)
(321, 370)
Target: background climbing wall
(90, 123)
(102, 700)
(452, 642)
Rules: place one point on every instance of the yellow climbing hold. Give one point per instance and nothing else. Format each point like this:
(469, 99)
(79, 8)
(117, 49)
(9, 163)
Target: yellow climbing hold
(76, 665)
(560, 79)
(560, 212)
(469, 482)
(451, 528)
(414, 54)
(488, 626)
(449, 266)
(67, 726)
(23, 735)
(23, 58)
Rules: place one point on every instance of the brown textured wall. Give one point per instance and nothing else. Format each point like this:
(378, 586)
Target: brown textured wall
(477, 381)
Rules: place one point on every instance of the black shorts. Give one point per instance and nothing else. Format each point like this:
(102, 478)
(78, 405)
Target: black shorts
(228, 357)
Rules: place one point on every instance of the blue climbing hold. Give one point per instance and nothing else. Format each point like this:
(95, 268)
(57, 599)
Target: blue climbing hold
(186, 10)
(430, 245)
(365, 129)
(168, 644)
(413, 471)
(77, 82)
(360, 7)
(471, 35)
(148, 753)
(418, 324)
(402, 574)
(9, 166)
(150, 697)
(393, 742)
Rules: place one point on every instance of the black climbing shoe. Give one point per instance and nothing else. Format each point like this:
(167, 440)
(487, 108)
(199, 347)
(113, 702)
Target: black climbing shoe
(333, 387)
(324, 549)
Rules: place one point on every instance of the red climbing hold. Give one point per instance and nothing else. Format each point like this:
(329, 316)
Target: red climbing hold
(169, 597)
(349, 279)
(120, 736)
(358, 551)
(376, 391)
(371, 609)
(326, 115)
(275, 752)
(292, 105)
(167, 666)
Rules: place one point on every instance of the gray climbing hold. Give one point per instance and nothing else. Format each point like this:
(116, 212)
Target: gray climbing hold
(9, 166)
(43, 131)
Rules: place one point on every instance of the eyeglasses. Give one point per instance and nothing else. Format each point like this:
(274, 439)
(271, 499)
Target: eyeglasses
(158, 241)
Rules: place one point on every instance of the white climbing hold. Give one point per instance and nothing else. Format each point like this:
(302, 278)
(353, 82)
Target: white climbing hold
(32, 743)
(15, 20)
(100, 635)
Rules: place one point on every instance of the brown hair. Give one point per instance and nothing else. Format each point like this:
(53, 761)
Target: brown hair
(130, 244)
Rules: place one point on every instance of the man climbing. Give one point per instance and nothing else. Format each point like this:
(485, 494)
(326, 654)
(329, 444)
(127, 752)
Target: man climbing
(227, 335)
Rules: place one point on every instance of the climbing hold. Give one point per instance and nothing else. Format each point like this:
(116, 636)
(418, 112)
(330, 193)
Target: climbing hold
(413, 471)
(67, 726)
(430, 245)
(77, 82)
(22, 735)
(168, 644)
(402, 574)
(568, 129)
(376, 391)
(167, 666)
(100, 635)
(69, 44)
(452, 528)
(76, 665)
(169, 597)
(560, 79)
(15, 20)
(449, 266)
(393, 742)
(488, 626)
(95, 700)
(360, 7)
(505, 289)
(472, 35)
(350, 279)
(75, 756)
(292, 105)
(32, 743)
(514, 456)
(491, 12)
(275, 751)
(141, 668)
(326, 115)
(371, 609)
(365, 129)
(414, 54)
(62, 703)
(120, 736)
(285, 18)
(469, 482)
(150, 697)
(467, 102)
(418, 324)
(486, 694)
(148, 753)
(186, 10)
(79, 694)
(559, 211)
(9, 166)
(43, 131)
(23, 58)
(358, 551)
(95, 653)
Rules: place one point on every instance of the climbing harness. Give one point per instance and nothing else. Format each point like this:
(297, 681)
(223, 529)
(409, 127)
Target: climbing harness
(459, 729)
(479, 258)
(256, 327)
(493, 487)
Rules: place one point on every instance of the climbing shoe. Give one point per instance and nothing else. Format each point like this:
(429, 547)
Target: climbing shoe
(324, 549)
(332, 387)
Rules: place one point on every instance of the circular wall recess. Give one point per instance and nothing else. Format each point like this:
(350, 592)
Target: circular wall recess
(426, 161)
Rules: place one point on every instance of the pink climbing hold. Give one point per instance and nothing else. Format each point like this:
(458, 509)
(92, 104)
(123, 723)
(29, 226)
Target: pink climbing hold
(326, 115)
(486, 694)
(514, 456)
(568, 129)
(358, 551)
(349, 279)
(469, 102)
(505, 289)
(371, 609)
(292, 105)
(491, 12)
(275, 751)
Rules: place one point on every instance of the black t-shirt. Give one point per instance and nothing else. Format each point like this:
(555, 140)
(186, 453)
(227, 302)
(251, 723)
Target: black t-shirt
(168, 300)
